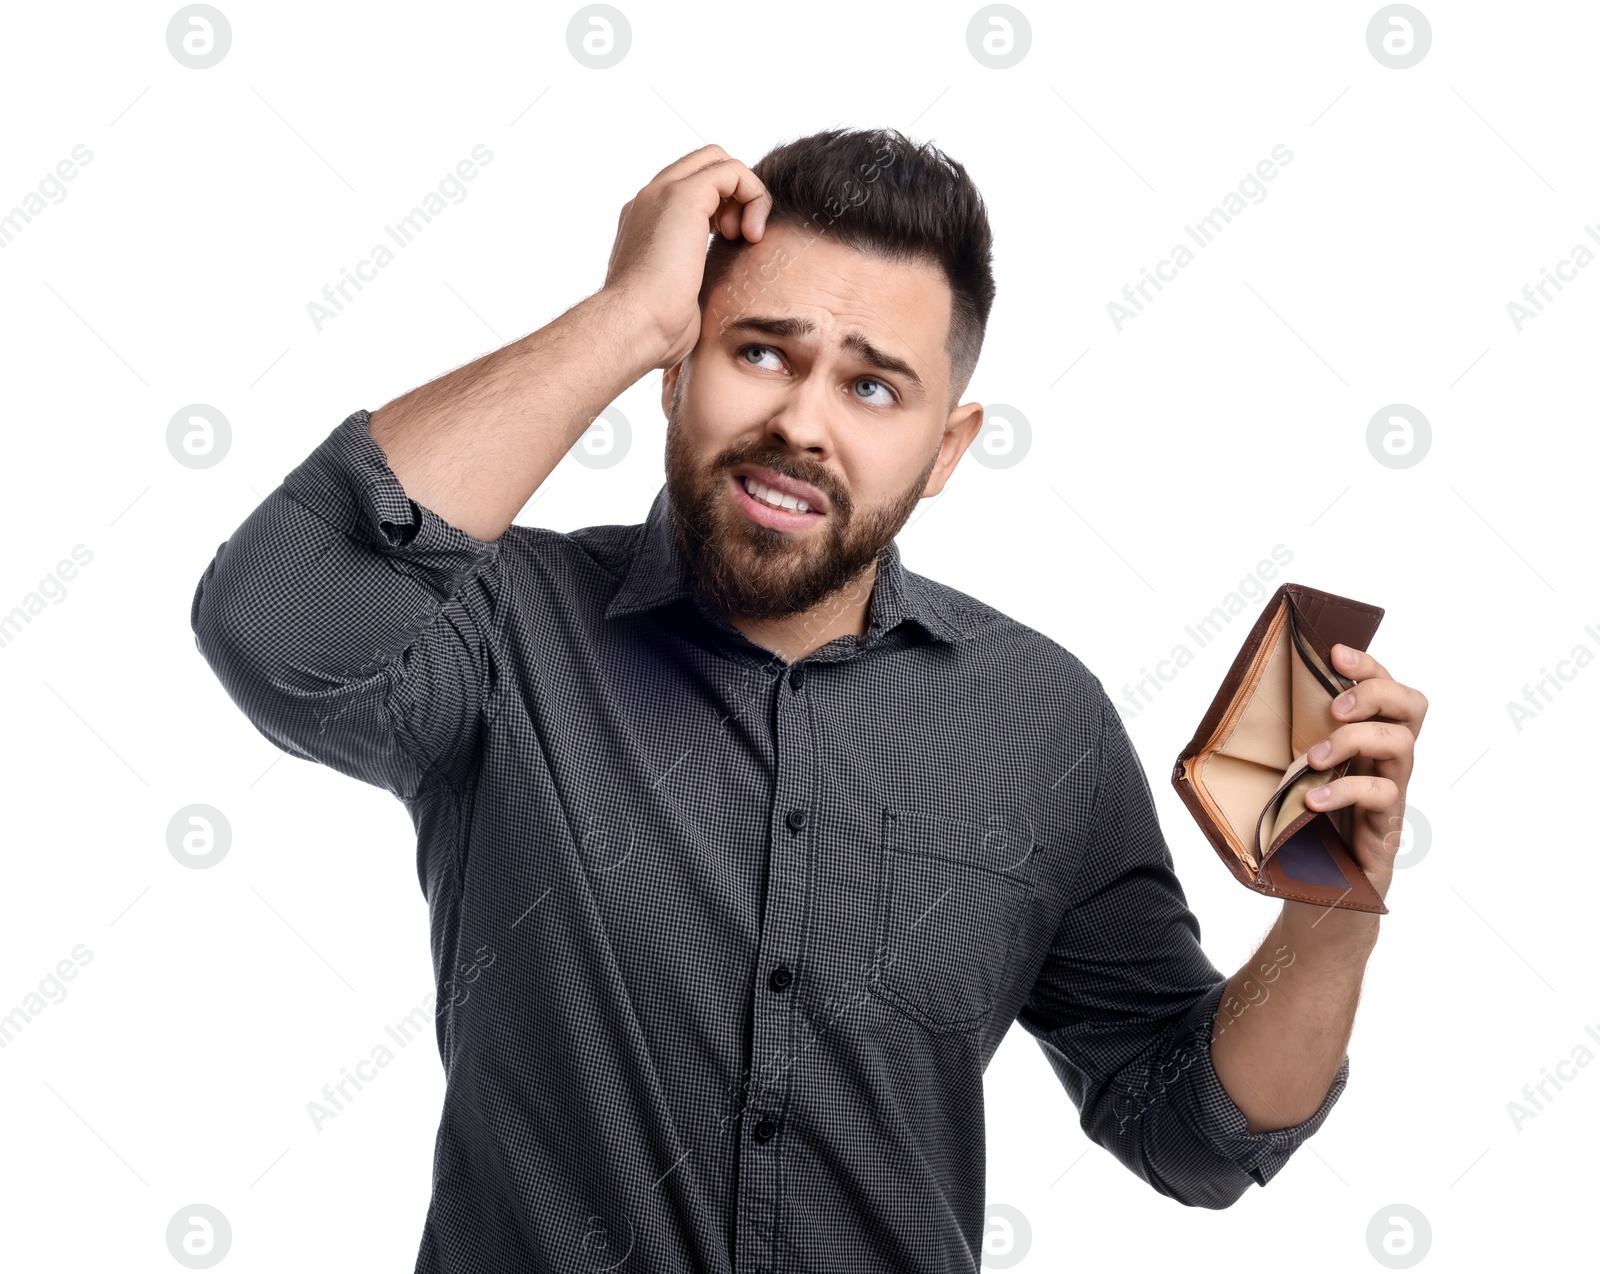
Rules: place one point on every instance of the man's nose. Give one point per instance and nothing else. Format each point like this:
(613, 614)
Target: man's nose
(801, 421)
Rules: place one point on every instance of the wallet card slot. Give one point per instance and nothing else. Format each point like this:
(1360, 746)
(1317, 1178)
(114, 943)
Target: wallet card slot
(1270, 810)
(1286, 813)
(1333, 682)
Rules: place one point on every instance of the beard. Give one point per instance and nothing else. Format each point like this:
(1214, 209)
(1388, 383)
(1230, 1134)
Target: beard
(740, 568)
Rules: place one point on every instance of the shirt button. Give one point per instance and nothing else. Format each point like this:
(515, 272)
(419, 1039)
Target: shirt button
(781, 977)
(797, 678)
(766, 1129)
(796, 820)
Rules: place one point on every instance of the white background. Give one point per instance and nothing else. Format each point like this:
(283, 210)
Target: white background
(1229, 417)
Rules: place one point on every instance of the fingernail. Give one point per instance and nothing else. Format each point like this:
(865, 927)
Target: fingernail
(1346, 654)
(1345, 702)
(1316, 796)
(1320, 753)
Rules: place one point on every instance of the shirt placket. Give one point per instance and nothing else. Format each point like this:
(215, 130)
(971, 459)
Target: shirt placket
(767, 1117)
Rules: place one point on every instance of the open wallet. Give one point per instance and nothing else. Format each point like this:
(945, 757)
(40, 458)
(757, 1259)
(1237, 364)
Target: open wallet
(1244, 776)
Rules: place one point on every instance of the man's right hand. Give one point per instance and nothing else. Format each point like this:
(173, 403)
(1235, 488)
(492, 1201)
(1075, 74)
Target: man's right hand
(658, 260)
(474, 444)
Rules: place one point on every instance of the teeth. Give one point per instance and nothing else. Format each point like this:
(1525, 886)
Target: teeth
(776, 499)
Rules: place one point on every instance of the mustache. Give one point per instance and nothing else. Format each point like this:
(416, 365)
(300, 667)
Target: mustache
(783, 463)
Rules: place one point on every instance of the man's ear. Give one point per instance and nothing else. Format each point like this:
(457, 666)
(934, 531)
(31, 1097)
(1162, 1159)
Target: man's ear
(959, 431)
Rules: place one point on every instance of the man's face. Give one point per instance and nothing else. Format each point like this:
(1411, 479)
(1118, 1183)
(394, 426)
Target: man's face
(850, 417)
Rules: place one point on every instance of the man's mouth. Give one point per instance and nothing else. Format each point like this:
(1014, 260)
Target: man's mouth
(770, 507)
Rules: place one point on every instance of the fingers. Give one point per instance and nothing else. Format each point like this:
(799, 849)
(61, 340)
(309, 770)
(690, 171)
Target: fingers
(686, 164)
(736, 217)
(742, 198)
(735, 199)
(1376, 693)
(1383, 719)
(755, 216)
(1356, 664)
(1363, 791)
(1386, 742)
(1380, 697)
(743, 201)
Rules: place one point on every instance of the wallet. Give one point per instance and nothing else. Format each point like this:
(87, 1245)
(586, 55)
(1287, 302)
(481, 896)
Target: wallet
(1244, 775)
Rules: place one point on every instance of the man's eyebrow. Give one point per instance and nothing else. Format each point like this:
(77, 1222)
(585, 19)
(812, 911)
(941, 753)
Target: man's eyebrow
(855, 342)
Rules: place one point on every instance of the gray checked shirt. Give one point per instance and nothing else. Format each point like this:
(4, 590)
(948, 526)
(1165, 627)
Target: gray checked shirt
(724, 944)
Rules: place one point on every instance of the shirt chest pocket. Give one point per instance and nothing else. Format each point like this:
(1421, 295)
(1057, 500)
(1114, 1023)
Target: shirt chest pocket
(951, 900)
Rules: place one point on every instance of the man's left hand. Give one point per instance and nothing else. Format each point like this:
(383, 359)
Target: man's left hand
(1383, 719)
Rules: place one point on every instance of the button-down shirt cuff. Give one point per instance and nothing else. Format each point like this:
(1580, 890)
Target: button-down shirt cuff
(347, 482)
(1205, 1106)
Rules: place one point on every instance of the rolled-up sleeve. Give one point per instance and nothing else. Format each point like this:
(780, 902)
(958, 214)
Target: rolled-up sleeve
(353, 626)
(1124, 1004)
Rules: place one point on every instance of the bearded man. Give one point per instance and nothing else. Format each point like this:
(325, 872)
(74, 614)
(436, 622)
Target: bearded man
(744, 845)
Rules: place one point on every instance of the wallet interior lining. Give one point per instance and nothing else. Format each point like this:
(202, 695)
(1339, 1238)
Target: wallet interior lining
(1282, 708)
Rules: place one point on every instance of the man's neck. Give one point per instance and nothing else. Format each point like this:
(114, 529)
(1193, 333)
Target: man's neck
(793, 637)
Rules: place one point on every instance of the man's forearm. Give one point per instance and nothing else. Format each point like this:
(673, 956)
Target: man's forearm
(476, 443)
(1284, 1021)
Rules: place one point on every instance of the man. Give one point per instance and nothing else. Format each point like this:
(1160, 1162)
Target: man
(743, 845)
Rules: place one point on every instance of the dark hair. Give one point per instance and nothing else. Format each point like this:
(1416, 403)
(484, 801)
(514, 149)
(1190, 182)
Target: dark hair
(877, 191)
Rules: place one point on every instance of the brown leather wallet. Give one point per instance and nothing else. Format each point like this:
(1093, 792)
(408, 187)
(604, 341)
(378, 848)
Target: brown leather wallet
(1244, 775)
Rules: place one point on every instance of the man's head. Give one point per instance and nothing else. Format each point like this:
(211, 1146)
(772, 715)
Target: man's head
(830, 361)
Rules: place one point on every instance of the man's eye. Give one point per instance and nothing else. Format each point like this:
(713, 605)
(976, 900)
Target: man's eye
(887, 400)
(759, 349)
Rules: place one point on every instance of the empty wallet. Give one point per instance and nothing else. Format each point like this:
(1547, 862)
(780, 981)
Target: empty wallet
(1244, 775)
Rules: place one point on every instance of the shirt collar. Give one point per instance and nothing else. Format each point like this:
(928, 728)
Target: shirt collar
(659, 575)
